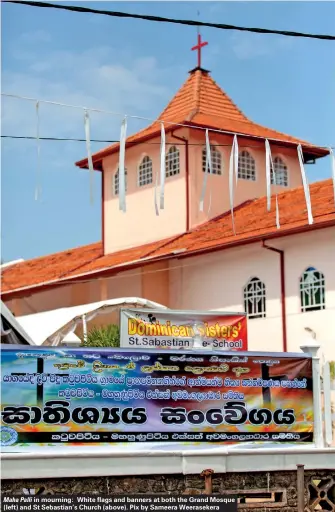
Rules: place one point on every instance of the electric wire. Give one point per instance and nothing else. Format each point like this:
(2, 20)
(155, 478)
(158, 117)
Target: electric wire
(161, 19)
(158, 121)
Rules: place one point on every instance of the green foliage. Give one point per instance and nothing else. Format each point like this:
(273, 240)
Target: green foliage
(332, 370)
(105, 336)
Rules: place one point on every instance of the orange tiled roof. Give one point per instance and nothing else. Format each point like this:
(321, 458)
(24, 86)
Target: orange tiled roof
(252, 222)
(201, 102)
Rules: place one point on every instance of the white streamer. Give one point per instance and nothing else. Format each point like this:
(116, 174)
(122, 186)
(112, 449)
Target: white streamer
(122, 178)
(305, 185)
(162, 173)
(38, 167)
(332, 156)
(233, 163)
(236, 158)
(155, 192)
(89, 153)
(268, 162)
(271, 167)
(208, 166)
(277, 213)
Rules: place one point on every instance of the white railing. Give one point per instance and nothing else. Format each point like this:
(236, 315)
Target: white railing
(322, 396)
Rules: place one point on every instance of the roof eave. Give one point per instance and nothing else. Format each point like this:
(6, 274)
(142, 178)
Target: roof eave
(310, 151)
(97, 160)
(29, 290)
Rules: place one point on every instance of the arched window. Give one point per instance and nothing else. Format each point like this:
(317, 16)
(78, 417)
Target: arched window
(312, 290)
(216, 161)
(254, 298)
(145, 172)
(279, 176)
(172, 166)
(116, 182)
(246, 167)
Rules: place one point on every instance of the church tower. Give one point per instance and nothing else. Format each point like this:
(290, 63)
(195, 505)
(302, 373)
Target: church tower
(199, 104)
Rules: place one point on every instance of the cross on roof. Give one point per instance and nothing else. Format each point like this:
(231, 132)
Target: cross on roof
(198, 47)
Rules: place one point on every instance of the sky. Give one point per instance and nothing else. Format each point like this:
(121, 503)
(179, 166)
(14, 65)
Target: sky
(135, 67)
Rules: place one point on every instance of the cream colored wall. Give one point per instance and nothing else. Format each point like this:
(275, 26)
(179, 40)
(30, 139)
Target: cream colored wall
(216, 281)
(217, 191)
(42, 301)
(128, 284)
(140, 224)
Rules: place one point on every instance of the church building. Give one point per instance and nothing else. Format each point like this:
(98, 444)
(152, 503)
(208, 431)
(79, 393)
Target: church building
(278, 267)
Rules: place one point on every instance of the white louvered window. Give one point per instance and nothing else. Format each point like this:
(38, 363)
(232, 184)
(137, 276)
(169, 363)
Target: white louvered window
(312, 290)
(172, 164)
(279, 174)
(116, 182)
(246, 166)
(255, 298)
(145, 172)
(216, 161)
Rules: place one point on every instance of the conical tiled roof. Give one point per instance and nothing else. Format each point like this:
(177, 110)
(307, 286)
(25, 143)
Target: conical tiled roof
(200, 102)
(201, 95)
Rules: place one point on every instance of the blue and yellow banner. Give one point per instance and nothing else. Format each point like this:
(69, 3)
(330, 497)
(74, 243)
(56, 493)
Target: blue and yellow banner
(54, 396)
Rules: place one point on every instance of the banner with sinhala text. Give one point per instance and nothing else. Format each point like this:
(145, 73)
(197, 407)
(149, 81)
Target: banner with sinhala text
(53, 396)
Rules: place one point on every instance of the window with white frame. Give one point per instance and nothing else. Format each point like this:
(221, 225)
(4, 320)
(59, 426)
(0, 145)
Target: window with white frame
(254, 298)
(172, 165)
(116, 182)
(145, 172)
(216, 161)
(312, 290)
(279, 174)
(246, 166)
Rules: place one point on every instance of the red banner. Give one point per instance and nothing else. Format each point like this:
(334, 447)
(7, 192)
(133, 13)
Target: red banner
(183, 329)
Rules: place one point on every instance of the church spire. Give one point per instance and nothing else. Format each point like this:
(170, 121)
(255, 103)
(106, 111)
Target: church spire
(198, 47)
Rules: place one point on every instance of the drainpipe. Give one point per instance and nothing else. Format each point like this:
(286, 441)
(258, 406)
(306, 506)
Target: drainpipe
(183, 139)
(282, 290)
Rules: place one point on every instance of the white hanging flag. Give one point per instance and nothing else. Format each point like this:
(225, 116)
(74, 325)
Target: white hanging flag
(236, 158)
(89, 153)
(270, 168)
(332, 156)
(162, 169)
(208, 167)
(233, 163)
(305, 185)
(38, 168)
(155, 192)
(122, 174)
(268, 162)
(277, 213)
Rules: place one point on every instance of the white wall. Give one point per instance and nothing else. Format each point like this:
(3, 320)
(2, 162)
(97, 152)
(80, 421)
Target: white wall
(216, 281)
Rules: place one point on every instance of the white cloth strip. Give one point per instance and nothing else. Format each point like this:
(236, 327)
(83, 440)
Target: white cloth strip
(122, 176)
(236, 159)
(268, 174)
(208, 166)
(91, 109)
(277, 213)
(305, 185)
(332, 156)
(89, 154)
(231, 182)
(155, 192)
(162, 169)
(38, 165)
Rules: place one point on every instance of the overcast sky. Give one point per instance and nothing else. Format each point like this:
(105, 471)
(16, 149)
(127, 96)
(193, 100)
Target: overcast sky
(135, 67)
